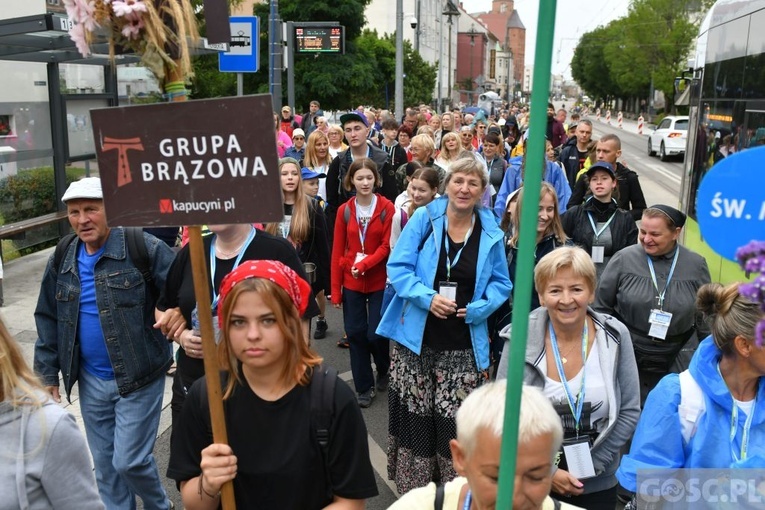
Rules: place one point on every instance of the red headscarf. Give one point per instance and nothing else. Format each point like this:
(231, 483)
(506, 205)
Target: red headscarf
(296, 287)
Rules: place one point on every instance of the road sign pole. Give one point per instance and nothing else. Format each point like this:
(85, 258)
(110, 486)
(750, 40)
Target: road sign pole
(524, 283)
(291, 67)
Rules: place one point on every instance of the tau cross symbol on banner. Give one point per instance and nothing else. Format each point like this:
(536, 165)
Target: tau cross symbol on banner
(122, 146)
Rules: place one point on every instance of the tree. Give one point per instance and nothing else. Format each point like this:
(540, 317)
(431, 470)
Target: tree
(652, 43)
(364, 75)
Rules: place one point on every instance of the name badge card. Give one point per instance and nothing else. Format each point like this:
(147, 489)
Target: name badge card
(598, 254)
(579, 459)
(448, 290)
(659, 321)
(359, 258)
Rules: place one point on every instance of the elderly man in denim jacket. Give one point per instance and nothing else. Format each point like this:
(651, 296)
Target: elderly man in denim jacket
(95, 318)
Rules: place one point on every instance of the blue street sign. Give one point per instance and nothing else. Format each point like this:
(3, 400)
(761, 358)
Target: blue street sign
(243, 55)
(730, 204)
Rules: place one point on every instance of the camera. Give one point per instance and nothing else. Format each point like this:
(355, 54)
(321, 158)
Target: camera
(413, 22)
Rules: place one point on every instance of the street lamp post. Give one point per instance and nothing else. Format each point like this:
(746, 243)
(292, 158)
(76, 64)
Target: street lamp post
(472, 35)
(450, 11)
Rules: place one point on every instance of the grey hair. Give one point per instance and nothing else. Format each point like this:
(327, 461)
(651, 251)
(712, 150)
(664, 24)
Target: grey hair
(484, 408)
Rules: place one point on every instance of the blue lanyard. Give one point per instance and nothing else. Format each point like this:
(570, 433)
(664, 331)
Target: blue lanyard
(594, 229)
(575, 405)
(214, 263)
(363, 230)
(354, 159)
(734, 427)
(468, 500)
(666, 284)
(449, 263)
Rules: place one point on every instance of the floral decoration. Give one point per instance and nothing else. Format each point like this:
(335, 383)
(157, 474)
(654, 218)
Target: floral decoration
(157, 30)
(752, 259)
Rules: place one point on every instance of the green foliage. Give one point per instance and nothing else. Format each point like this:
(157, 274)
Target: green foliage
(31, 193)
(364, 75)
(653, 41)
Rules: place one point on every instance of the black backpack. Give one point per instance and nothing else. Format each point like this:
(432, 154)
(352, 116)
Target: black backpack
(136, 250)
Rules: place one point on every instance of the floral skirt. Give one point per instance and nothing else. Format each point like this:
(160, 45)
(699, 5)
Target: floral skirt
(424, 395)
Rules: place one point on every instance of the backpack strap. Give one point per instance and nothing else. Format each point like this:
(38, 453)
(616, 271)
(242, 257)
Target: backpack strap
(61, 247)
(692, 405)
(440, 495)
(136, 250)
(323, 382)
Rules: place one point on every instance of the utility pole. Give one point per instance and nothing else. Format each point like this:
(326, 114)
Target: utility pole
(399, 99)
(439, 105)
(275, 60)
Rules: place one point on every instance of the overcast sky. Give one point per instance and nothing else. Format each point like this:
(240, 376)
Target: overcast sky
(573, 19)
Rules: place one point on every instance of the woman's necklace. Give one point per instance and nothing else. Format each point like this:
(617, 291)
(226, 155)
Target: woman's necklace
(229, 254)
(564, 355)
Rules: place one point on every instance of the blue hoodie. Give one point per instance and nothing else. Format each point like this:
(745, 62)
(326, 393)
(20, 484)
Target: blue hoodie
(658, 441)
(554, 174)
(412, 269)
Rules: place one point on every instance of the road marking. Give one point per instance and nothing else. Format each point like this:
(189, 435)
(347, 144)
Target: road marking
(380, 464)
(377, 455)
(665, 173)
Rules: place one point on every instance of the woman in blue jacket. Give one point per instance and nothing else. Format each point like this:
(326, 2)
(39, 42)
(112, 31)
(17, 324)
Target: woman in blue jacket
(449, 272)
(711, 415)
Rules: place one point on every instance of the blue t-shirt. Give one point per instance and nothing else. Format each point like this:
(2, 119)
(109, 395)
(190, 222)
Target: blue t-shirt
(93, 354)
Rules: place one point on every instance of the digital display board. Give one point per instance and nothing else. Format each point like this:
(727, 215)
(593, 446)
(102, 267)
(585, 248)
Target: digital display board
(320, 39)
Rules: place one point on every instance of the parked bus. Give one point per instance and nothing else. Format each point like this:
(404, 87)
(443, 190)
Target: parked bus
(727, 108)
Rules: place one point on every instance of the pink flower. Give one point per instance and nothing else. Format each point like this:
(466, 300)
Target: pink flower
(77, 34)
(132, 30)
(130, 9)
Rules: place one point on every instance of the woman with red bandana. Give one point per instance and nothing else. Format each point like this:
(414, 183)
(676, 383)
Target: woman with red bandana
(267, 404)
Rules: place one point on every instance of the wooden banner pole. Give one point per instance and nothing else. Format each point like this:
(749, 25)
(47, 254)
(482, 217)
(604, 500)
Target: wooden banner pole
(209, 349)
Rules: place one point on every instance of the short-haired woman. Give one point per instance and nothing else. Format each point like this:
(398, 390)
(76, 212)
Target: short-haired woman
(651, 287)
(449, 272)
(360, 249)
(584, 363)
(477, 448)
(267, 404)
(711, 415)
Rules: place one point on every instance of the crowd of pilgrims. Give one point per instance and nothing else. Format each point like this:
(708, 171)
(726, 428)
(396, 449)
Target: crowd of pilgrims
(412, 230)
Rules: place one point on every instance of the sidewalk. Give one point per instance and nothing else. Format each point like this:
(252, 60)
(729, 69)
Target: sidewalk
(21, 286)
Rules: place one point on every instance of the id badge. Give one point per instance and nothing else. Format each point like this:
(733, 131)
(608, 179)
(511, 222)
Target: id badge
(659, 321)
(579, 458)
(359, 257)
(598, 254)
(448, 290)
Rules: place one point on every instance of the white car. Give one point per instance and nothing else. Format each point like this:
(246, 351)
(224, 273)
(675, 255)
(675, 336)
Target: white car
(669, 137)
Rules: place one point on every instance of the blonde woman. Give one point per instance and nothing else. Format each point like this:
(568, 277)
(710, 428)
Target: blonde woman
(336, 144)
(44, 459)
(318, 158)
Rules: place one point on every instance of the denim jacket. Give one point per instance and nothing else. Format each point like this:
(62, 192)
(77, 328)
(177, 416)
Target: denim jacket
(138, 352)
(412, 268)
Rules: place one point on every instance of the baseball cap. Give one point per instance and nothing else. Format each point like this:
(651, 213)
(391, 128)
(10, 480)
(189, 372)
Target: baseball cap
(89, 187)
(307, 173)
(286, 109)
(298, 132)
(354, 116)
(601, 165)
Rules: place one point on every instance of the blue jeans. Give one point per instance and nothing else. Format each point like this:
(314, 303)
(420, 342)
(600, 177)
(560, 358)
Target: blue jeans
(121, 432)
(361, 315)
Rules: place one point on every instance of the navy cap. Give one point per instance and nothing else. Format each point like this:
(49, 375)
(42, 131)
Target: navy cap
(354, 116)
(307, 173)
(602, 165)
